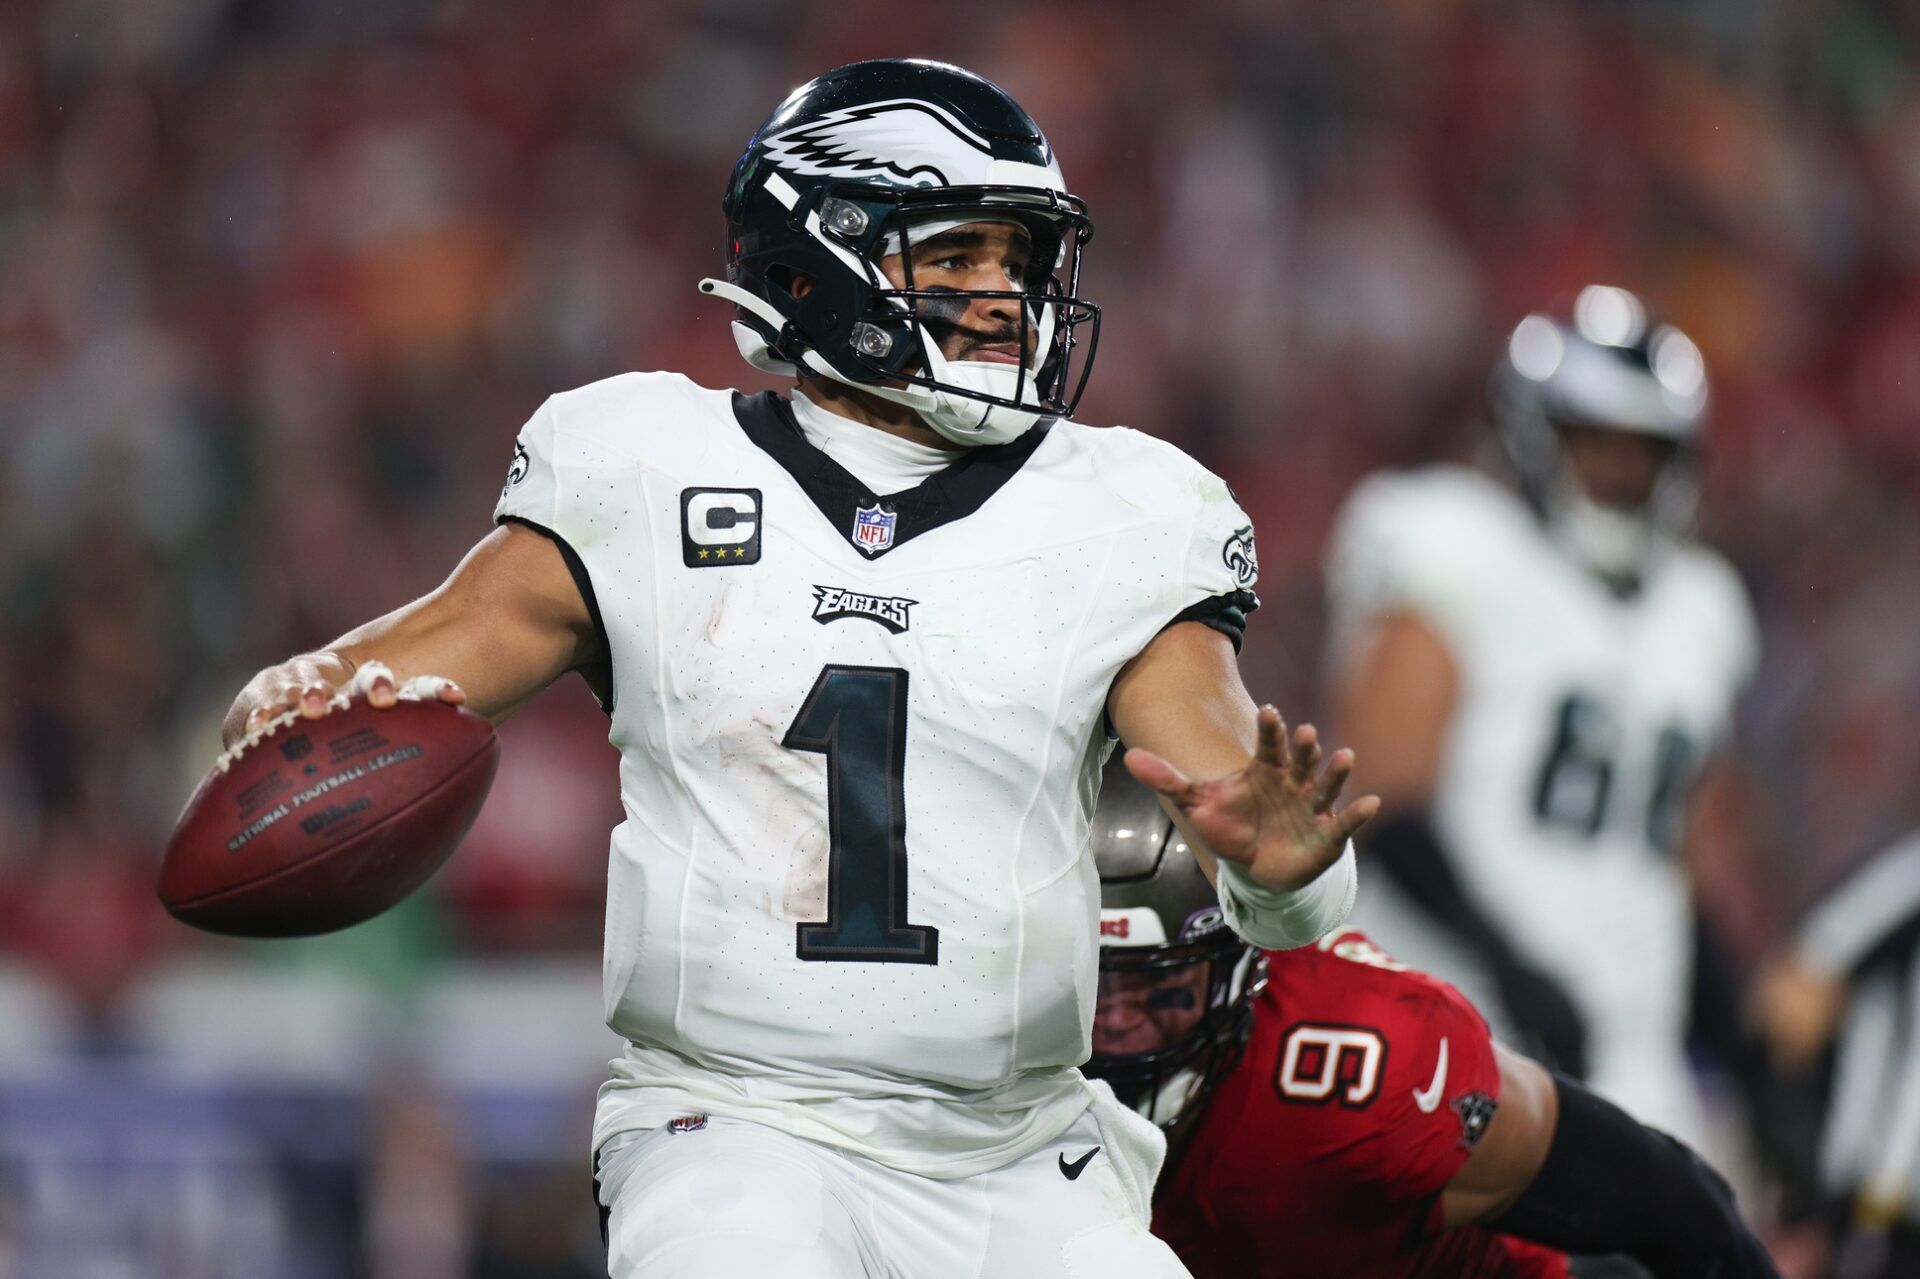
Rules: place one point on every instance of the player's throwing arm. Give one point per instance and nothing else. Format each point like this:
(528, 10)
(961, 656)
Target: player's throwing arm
(508, 622)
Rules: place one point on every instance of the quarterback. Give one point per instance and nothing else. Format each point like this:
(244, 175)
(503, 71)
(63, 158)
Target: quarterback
(1335, 1114)
(1536, 671)
(865, 649)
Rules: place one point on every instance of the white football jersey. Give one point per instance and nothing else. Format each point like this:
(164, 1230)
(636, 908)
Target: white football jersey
(1582, 719)
(859, 745)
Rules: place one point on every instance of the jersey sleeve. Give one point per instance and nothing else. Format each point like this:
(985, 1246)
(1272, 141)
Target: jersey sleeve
(573, 460)
(1408, 542)
(541, 492)
(1372, 566)
(546, 478)
(1737, 626)
(531, 494)
(1438, 1081)
(1443, 1089)
(1221, 568)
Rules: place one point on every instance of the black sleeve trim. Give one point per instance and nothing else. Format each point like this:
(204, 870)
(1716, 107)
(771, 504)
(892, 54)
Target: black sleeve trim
(599, 672)
(1224, 613)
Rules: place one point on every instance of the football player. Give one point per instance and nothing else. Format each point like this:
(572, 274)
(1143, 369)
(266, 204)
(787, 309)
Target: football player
(1535, 666)
(862, 648)
(1333, 1112)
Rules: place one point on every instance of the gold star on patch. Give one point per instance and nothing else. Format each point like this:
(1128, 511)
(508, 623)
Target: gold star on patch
(703, 555)
(739, 552)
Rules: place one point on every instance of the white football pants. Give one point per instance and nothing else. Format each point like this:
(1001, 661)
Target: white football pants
(739, 1200)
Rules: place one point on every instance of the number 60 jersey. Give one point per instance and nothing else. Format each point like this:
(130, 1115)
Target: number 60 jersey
(1582, 718)
(859, 741)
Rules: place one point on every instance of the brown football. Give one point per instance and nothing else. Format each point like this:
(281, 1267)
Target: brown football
(323, 823)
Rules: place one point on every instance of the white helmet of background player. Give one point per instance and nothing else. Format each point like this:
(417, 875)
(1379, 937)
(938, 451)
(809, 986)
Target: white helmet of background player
(854, 167)
(1176, 984)
(1609, 365)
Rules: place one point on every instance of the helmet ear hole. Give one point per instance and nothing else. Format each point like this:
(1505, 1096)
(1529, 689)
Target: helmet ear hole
(790, 282)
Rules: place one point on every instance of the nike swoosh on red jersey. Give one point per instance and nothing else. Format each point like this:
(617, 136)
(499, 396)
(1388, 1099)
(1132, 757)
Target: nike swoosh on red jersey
(1428, 1098)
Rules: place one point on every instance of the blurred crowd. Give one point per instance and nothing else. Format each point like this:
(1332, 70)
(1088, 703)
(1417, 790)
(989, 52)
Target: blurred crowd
(279, 281)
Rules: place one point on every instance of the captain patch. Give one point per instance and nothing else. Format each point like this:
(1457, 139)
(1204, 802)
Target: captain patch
(719, 527)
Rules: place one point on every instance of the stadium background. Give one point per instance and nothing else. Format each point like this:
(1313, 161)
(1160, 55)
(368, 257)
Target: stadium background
(279, 281)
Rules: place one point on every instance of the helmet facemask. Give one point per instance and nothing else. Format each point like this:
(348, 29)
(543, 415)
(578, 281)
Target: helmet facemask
(1617, 542)
(1166, 1063)
(856, 326)
(979, 401)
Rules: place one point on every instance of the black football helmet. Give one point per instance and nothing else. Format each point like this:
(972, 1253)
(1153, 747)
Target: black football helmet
(853, 167)
(1169, 965)
(1605, 363)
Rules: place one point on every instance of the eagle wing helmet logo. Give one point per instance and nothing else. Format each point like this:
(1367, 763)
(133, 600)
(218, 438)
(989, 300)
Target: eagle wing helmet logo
(908, 141)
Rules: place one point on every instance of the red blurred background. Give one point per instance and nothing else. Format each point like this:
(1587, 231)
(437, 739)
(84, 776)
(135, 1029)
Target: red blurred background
(279, 282)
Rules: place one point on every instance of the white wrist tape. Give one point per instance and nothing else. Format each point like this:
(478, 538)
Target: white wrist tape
(421, 688)
(1282, 921)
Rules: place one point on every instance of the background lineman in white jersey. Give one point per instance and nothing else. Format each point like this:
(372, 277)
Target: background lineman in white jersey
(1535, 673)
(864, 652)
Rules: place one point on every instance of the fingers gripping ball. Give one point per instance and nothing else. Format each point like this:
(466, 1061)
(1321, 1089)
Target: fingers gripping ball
(421, 688)
(312, 825)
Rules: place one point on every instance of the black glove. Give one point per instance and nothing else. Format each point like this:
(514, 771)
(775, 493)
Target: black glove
(1543, 1011)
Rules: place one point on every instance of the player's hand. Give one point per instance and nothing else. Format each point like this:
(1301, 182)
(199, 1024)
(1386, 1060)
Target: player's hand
(1275, 818)
(311, 683)
(1542, 1010)
(1796, 1005)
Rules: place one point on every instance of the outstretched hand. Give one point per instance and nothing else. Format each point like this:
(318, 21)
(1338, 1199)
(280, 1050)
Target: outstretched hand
(1275, 818)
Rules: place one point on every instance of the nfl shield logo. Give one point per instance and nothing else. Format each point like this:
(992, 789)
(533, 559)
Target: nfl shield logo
(872, 529)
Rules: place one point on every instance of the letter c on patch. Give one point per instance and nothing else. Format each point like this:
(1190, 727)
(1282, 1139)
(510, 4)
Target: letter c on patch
(722, 518)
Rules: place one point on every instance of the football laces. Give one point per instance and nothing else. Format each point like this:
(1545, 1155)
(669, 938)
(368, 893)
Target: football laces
(267, 728)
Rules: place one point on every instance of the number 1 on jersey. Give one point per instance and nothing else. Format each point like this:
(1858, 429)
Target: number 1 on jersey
(857, 717)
